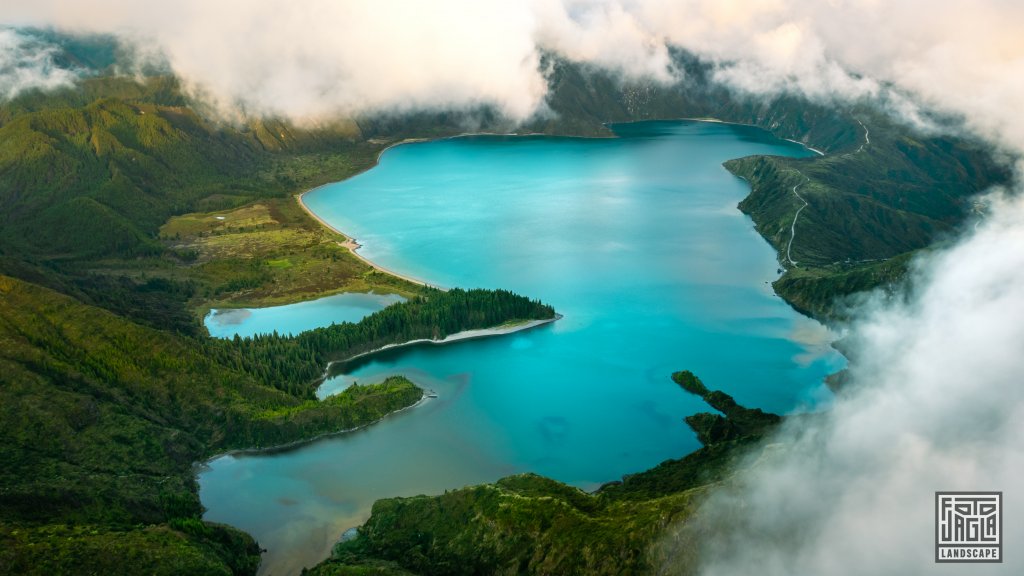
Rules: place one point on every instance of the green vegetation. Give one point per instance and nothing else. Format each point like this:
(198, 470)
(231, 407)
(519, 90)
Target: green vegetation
(263, 254)
(827, 291)
(735, 422)
(528, 524)
(294, 363)
(870, 207)
(185, 546)
(101, 418)
(90, 177)
(89, 418)
(353, 408)
(359, 567)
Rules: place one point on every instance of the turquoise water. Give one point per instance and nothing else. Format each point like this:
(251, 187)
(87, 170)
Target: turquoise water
(636, 240)
(295, 318)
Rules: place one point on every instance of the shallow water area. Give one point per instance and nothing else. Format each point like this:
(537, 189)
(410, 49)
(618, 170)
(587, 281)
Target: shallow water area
(636, 240)
(298, 317)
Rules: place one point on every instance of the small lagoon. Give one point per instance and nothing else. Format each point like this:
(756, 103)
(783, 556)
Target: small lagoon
(298, 317)
(636, 240)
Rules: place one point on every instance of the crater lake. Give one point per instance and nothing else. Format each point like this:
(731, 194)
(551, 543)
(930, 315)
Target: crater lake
(636, 240)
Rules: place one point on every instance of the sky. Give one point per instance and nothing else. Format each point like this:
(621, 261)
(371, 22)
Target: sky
(936, 401)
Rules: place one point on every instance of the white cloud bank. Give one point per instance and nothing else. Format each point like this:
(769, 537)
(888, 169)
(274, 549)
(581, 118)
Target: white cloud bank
(939, 407)
(319, 58)
(940, 400)
(26, 64)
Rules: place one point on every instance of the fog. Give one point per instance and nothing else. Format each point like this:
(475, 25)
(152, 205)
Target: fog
(27, 64)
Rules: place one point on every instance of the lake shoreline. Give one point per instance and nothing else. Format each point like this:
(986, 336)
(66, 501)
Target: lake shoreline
(463, 335)
(352, 246)
(494, 331)
(199, 467)
(426, 396)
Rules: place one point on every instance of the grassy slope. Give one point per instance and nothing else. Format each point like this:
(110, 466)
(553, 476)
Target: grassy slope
(870, 207)
(261, 254)
(105, 175)
(99, 549)
(90, 177)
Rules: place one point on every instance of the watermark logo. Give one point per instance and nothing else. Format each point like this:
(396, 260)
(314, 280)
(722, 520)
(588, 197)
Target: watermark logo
(968, 527)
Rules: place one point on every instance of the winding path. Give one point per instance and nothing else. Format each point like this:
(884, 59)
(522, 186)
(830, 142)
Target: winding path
(792, 228)
(867, 137)
(863, 145)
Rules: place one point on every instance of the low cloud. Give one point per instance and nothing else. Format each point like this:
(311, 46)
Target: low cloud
(938, 406)
(322, 58)
(26, 64)
(935, 401)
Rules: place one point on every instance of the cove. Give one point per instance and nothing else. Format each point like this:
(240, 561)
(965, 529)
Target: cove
(295, 318)
(636, 240)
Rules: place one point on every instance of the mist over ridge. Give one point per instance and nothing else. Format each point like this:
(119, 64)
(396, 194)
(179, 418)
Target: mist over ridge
(325, 58)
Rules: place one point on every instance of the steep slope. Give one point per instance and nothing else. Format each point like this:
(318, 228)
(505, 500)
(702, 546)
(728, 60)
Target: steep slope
(102, 178)
(98, 411)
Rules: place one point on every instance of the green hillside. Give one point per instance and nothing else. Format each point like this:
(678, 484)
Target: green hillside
(129, 164)
(89, 177)
(102, 420)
